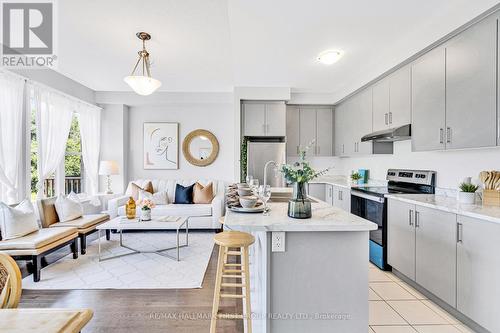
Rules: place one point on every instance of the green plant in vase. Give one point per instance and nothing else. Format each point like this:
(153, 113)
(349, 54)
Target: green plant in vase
(355, 177)
(299, 174)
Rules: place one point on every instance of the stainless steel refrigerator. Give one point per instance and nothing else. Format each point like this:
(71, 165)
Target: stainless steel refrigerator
(259, 153)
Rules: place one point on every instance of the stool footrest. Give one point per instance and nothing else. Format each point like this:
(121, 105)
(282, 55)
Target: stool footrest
(234, 253)
(233, 265)
(233, 271)
(231, 296)
(232, 276)
(238, 285)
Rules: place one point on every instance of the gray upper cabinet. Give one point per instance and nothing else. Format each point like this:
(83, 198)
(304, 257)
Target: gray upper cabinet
(306, 124)
(399, 97)
(324, 132)
(471, 115)
(381, 105)
(392, 100)
(401, 237)
(340, 132)
(254, 119)
(428, 101)
(292, 131)
(362, 122)
(264, 119)
(436, 252)
(307, 132)
(478, 271)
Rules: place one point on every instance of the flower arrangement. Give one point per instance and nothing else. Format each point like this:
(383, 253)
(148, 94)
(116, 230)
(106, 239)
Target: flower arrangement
(146, 204)
(301, 171)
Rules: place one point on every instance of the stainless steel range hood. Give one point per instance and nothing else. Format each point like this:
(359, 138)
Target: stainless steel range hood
(390, 135)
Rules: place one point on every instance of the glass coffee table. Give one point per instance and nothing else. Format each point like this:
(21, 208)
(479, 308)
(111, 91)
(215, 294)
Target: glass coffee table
(121, 224)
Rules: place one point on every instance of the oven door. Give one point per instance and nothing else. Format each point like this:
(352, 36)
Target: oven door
(372, 208)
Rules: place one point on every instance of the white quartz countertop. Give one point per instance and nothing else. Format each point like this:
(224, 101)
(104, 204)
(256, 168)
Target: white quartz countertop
(448, 204)
(324, 218)
(344, 181)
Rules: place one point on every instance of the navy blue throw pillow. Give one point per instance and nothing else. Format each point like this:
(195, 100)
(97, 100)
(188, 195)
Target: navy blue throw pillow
(183, 194)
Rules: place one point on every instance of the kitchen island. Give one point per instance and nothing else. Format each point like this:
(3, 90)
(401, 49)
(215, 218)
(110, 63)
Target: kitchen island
(320, 282)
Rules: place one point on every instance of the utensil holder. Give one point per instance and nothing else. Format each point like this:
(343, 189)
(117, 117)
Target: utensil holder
(491, 198)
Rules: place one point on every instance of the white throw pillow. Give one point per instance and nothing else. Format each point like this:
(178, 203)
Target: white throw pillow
(67, 209)
(159, 198)
(17, 221)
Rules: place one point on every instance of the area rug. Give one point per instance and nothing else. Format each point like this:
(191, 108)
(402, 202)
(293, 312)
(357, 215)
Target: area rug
(138, 271)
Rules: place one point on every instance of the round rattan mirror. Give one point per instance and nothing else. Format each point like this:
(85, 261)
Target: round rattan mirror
(200, 147)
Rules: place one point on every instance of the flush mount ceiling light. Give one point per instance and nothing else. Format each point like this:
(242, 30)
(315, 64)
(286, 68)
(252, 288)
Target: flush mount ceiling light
(329, 57)
(143, 84)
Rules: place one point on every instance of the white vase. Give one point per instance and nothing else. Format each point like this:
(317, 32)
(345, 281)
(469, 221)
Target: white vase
(467, 197)
(145, 214)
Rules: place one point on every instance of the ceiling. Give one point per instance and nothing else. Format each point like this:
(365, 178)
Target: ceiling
(215, 45)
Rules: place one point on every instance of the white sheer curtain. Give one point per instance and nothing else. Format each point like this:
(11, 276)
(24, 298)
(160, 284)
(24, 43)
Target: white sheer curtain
(11, 136)
(90, 131)
(54, 113)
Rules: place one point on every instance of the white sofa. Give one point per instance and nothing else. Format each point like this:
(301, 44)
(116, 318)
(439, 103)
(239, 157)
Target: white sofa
(201, 216)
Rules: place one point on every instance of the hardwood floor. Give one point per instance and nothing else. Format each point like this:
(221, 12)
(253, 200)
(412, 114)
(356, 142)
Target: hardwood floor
(151, 311)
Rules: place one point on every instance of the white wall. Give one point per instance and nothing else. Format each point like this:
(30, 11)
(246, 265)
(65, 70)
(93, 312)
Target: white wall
(214, 117)
(114, 144)
(451, 166)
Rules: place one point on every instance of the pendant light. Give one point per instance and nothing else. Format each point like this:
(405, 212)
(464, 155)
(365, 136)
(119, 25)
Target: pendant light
(143, 84)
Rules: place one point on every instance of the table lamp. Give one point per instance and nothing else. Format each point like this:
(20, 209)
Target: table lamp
(108, 168)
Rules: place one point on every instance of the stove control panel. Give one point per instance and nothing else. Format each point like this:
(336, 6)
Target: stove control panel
(424, 177)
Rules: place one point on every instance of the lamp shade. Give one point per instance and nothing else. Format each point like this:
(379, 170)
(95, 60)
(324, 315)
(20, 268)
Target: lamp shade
(143, 85)
(107, 168)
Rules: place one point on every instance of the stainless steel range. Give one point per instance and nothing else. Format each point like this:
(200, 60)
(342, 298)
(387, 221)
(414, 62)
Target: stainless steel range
(370, 203)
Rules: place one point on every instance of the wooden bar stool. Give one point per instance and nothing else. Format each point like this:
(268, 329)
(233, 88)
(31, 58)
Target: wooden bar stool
(228, 241)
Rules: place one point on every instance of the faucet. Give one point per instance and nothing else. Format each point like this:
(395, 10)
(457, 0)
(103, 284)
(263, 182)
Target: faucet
(265, 170)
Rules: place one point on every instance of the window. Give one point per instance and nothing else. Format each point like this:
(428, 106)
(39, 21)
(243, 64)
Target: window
(73, 162)
(73, 170)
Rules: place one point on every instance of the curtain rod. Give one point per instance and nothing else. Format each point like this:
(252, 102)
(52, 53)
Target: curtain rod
(27, 80)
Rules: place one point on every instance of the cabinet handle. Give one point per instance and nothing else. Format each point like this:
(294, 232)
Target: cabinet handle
(385, 119)
(417, 219)
(441, 135)
(448, 134)
(390, 117)
(410, 217)
(343, 151)
(459, 232)
(341, 195)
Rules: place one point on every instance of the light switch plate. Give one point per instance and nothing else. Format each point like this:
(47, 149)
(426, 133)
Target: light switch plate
(278, 241)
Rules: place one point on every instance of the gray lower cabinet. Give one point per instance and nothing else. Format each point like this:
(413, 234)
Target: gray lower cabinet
(317, 190)
(401, 237)
(329, 194)
(435, 254)
(478, 271)
(471, 114)
(428, 101)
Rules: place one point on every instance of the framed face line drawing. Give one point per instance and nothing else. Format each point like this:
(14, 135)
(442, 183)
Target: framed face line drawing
(161, 146)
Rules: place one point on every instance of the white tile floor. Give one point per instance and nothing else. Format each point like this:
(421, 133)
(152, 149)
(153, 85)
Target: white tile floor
(396, 307)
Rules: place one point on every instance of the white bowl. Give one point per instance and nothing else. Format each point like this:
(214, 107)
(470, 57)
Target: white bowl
(243, 192)
(242, 185)
(248, 201)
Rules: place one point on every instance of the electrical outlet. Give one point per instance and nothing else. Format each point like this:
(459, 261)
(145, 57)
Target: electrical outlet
(278, 241)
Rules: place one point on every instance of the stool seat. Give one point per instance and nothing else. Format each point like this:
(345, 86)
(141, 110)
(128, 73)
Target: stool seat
(234, 239)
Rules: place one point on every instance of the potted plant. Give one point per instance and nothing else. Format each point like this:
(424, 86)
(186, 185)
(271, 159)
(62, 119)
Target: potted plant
(355, 177)
(146, 206)
(467, 193)
(299, 174)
